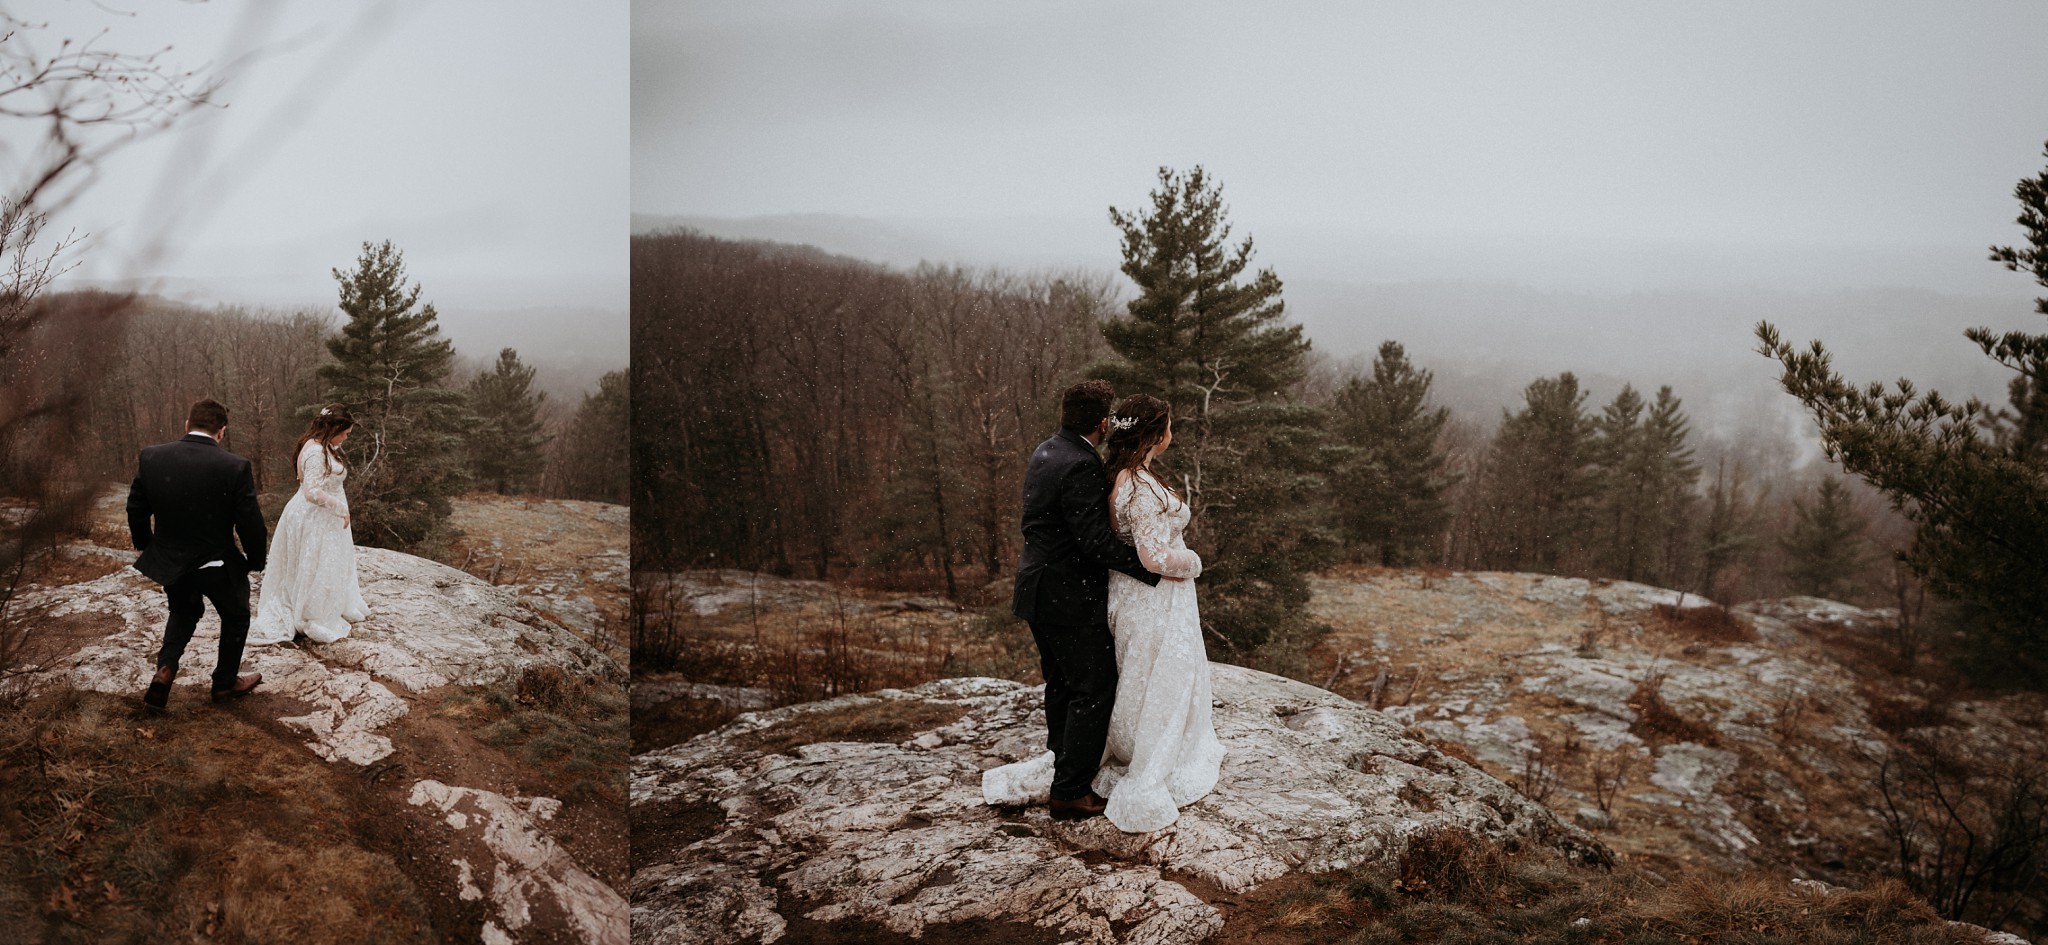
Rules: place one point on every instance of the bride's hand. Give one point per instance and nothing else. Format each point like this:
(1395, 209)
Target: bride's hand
(344, 520)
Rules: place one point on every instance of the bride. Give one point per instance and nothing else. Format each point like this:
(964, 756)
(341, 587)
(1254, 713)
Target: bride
(311, 585)
(1162, 753)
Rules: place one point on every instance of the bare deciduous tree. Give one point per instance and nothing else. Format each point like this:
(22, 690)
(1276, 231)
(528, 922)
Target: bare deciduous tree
(77, 103)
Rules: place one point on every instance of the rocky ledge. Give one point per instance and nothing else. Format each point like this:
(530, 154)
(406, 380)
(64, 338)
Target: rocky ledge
(867, 810)
(430, 626)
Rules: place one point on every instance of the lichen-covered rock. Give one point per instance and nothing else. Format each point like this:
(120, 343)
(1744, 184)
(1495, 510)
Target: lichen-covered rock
(430, 625)
(894, 832)
(527, 869)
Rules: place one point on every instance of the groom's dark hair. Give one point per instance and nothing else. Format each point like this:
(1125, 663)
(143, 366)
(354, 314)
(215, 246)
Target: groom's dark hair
(207, 415)
(1084, 405)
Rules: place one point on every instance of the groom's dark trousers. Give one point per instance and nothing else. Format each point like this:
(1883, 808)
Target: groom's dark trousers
(228, 589)
(1063, 593)
(190, 500)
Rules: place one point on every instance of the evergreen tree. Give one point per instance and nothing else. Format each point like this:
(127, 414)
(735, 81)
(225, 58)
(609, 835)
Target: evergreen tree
(391, 367)
(1978, 498)
(1825, 547)
(1198, 336)
(1624, 482)
(597, 443)
(505, 440)
(1674, 495)
(1539, 481)
(1210, 341)
(1646, 482)
(1390, 493)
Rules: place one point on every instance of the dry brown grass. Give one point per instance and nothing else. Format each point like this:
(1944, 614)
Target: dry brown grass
(1333, 900)
(844, 641)
(1452, 864)
(885, 720)
(1457, 889)
(1712, 624)
(1657, 723)
(1897, 710)
(571, 730)
(59, 569)
(1754, 908)
(674, 721)
(192, 826)
(528, 541)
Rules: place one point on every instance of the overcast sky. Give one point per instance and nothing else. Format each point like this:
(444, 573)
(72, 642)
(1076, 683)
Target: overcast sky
(488, 141)
(1784, 128)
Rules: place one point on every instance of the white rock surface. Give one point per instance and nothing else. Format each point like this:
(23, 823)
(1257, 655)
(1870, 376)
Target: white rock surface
(529, 868)
(896, 835)
(430, 625)
(1744, 693)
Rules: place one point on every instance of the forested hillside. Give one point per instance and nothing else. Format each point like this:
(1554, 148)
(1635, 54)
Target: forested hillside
(819, 416)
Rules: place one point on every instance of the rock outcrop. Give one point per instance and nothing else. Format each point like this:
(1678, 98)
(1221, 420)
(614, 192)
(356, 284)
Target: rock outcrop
(1728, 739)
(430, 626)
(774, 819)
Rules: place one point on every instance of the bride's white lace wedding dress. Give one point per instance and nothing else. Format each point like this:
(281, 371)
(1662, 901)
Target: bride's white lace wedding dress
(1162, 753)
(310, 585)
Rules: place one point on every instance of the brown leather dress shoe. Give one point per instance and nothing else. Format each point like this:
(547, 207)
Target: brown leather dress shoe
(242, 687)
(159, 692)
(1080, 808)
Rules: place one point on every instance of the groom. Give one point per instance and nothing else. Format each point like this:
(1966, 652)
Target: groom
(202, 497)
(1063, 592)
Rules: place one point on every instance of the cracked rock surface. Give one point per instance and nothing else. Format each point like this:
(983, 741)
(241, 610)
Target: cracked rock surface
(756, 825)
(430, 626)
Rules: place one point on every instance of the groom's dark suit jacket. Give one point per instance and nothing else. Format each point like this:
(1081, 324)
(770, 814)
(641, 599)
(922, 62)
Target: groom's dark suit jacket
(1069, 546)
(202, 497)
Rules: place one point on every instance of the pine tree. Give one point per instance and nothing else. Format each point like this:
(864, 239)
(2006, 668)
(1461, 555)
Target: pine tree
(1978, 497)
(597, 443)
(506, 439)
(1390, 494)
(1197, 336)
(1646, 481)
(1624, 483)
(1825, 546)
(1539, 481)
(1211, 342)
(391, 367)
(1674, 496)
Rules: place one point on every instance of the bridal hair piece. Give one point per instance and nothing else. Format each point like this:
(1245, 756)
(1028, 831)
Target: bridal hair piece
(1136, 426)
(330, 422)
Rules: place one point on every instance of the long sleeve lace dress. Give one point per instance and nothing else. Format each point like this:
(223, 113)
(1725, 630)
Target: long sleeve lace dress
(311, 586)
(1163, 753)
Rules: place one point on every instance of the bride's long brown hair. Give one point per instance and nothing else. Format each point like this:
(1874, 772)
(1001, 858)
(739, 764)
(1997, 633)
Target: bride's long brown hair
(327, 424)
(1136, 426)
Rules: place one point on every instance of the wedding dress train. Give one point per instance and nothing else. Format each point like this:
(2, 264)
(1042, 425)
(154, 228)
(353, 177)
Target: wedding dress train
(1162, 753)
(310, 586)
